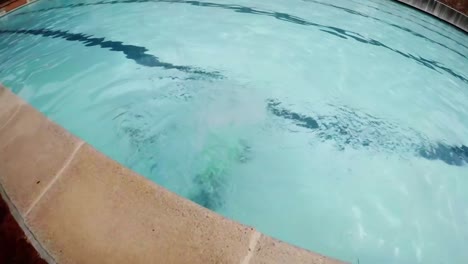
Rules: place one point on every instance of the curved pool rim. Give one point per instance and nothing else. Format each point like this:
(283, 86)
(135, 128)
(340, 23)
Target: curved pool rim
(400, 1)
(76, 205)
(441, 11)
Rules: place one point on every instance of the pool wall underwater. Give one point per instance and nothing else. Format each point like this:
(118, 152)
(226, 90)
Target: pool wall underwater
(76, 205)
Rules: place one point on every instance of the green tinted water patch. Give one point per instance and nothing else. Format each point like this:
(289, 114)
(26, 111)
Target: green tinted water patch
(218, 158)
(191, 136)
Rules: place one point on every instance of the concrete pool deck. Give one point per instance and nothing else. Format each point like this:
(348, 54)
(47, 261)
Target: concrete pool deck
(441, 11)
(78, 206)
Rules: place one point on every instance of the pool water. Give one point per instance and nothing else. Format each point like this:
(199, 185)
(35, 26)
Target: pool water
(338, 126)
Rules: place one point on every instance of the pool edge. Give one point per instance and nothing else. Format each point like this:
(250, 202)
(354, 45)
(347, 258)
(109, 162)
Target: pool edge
(41, 252)
(441, 11)
(14, 5)
(77, 205)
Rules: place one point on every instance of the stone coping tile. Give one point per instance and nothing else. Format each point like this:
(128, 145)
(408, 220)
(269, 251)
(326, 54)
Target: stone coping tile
(102, 211)
(32, 152)
(272, 251)
(9, 105)
(81, 207)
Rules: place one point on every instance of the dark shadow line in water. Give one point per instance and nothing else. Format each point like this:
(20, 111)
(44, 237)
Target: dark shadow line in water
(144, 1)
(416, 34)
(333, 31)
(452, 155)
(132, 52)
(299, 119)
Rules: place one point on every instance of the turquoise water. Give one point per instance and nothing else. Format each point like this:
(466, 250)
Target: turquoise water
(338, 126)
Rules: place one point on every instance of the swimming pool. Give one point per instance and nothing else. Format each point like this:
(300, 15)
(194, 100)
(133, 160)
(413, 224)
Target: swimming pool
(341, 127)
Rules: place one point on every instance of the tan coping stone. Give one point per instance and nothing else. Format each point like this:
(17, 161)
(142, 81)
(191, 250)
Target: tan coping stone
(32, 152)
(9, 105)
(88, 208)
(100, 212)
(272, 251)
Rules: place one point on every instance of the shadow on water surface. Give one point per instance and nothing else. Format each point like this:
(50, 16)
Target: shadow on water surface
(136, 53)
(360, 130)
(219, 154)
(333, 31)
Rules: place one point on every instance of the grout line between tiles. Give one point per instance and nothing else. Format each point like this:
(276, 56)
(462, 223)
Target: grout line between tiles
(18, 107)
(57, 176)
(252, 244)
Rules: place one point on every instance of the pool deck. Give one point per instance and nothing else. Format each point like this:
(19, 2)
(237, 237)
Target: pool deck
(76, 205)
(14, 245)
(441, 11)
(12, 5)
